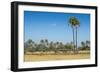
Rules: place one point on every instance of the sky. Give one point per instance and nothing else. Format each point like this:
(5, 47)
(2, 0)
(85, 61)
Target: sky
(54, 26)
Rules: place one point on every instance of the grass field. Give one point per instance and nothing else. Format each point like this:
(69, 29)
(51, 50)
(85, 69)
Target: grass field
(47, 57)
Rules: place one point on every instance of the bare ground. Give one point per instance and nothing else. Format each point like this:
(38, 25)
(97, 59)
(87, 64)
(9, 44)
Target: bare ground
(47, 57)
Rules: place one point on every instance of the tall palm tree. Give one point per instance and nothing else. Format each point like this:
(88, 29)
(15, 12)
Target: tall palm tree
(74, 22)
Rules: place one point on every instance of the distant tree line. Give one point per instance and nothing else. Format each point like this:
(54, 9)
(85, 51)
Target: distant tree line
(56, 47)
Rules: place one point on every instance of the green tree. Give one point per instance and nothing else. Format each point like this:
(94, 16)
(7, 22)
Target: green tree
(51, 46)
(74, 22)
(46, 44)
(83, 46)
(46, 41)
(30, 45)
(87, 44)
(41, 41)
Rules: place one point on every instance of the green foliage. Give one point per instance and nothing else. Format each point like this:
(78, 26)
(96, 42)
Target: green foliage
(74, 21)
(85, 45)
(46, 46)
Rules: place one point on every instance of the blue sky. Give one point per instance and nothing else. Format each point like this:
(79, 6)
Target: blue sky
(54, 26)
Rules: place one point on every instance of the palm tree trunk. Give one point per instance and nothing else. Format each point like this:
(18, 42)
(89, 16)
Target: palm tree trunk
(76, 41)
(73, 40)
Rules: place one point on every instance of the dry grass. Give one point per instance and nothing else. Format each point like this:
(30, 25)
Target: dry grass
(47, 57)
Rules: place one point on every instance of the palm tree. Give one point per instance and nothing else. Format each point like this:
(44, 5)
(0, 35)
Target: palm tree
(51, 46)
(61, 45)
(83, 45)
(42, 45)
(55, 47)
(57, 44)
(42, 41)
(46, 40)
(74, 22)
(46, 43)
(88, 43)
(30, 45)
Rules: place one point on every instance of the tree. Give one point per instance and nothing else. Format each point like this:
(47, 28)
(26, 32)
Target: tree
(56, 44)
(42, 45)
(87, 44)
(83, 45)
(51, 46)
(46, 43)
(42, 41)
(56, 47)
(30, 45)
(74, 22)
(61, 46)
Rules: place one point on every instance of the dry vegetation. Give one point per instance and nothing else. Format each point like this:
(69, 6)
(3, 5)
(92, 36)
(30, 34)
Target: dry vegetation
(47, 57)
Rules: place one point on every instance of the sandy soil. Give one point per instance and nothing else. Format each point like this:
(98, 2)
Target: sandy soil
(47, 57)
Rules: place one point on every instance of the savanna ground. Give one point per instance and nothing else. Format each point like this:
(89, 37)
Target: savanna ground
(29, 57)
